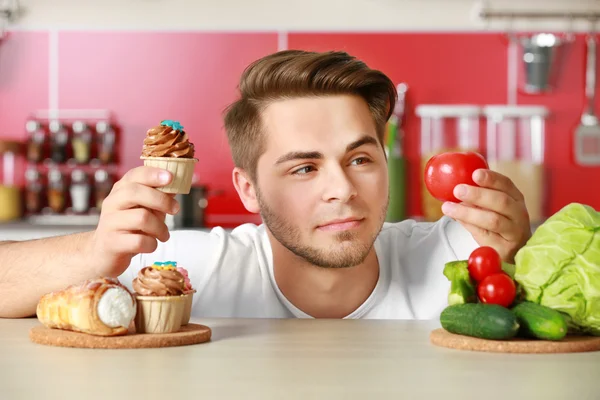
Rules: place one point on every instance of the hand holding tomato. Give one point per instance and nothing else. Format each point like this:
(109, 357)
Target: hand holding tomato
(446, 170)
(486, 203)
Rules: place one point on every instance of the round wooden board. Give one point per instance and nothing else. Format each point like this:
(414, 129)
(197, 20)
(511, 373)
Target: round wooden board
(570, 344)
(189, 334)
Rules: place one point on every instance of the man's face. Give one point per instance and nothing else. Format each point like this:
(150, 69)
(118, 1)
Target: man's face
(322, 183)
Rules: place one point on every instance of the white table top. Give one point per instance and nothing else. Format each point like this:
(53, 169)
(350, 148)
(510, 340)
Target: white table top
(291, 359)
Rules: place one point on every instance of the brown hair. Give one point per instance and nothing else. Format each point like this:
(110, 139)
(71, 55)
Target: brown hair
(295, 73)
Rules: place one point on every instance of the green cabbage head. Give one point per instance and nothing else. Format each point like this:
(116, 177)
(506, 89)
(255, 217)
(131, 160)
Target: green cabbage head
(559, 267)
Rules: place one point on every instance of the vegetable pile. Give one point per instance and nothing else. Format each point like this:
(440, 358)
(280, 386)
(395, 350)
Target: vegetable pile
(553, 288)
(484, 302)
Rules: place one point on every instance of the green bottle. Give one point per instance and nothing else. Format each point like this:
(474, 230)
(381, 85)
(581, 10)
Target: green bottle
(396, 171)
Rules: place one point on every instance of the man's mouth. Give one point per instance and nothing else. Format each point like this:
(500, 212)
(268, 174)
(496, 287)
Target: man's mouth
(344, 224)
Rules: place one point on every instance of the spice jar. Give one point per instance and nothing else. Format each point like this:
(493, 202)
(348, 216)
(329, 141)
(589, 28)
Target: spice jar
(445, 128)
(56, 191)
(105, 142)
(37, 141)
(80, 192)
(34, 196)
(59, 140)
(103, 186)
(81, 142)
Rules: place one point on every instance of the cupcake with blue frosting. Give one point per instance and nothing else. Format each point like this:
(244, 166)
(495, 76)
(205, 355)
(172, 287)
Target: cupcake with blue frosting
(161, 298)
(167, 146)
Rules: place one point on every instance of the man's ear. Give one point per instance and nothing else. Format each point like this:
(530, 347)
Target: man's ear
(245, 188)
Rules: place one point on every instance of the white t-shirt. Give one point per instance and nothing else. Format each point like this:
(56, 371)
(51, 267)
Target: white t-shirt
(233, 271)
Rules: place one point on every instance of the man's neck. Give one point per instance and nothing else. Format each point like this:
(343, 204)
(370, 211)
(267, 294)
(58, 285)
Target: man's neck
(323, 292)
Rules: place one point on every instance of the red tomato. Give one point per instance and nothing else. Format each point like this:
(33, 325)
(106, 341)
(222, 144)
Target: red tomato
(446, 170)
(484, 261)
(497, 289)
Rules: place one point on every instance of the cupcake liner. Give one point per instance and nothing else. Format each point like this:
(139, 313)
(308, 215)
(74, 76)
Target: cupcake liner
(159, 314)
(182, 170)
(187, 310)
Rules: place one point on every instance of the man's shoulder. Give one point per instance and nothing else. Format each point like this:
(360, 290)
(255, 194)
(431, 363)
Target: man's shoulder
(411, 228)
(216, 240)
(410, 235)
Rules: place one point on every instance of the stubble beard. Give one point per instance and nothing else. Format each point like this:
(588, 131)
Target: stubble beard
(286, 233)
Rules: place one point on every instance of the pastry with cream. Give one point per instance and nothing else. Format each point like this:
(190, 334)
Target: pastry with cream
(167, 146)
(100, 306)
(161, 299)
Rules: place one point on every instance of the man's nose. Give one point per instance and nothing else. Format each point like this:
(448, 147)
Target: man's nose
(338, 186)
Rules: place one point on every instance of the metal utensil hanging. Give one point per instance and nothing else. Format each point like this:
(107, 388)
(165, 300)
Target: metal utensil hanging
(587, 134)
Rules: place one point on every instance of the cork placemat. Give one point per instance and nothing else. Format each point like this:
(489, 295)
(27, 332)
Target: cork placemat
(189, 334)
(570, 344)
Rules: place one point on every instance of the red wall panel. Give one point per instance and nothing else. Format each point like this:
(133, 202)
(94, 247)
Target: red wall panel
(472, 68)
(438, 68)
(147, 77)
(568, 182)
(23, 81)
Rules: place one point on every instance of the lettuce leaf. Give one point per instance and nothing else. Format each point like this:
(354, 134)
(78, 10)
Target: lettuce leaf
(559, 267)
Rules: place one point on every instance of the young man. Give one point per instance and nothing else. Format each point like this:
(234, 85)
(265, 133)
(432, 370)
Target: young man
(306, 138)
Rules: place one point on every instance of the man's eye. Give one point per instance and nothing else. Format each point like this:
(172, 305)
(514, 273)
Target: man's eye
(303, 170)
(361, 160)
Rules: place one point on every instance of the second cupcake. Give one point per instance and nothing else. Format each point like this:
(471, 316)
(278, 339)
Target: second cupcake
(161, 299)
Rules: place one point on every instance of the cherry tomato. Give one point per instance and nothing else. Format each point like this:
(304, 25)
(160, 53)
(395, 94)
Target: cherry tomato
(497, 289)
(446, 170)
(484, 261)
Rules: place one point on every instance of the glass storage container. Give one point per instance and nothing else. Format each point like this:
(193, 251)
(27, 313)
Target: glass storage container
(515, 138)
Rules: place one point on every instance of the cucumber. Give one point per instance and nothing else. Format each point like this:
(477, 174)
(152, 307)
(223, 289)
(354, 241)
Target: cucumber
(485, 321)
(540, 322)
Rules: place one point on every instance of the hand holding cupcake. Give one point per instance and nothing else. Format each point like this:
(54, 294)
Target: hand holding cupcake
(167, 146)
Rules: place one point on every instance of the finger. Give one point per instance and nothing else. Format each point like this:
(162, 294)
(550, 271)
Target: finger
(488, 199)
(147, 176)
(130, 243)
(135, 195)
(480, 218)
(494, 180)
(161, 215)
(139, 220)
(482, 236)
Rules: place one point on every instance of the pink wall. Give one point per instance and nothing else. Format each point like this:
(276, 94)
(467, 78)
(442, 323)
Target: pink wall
(145, 77)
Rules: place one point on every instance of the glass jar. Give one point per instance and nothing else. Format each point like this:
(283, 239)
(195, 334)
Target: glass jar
(80, 192)
(36, 144)
(34, 195)
(59, 141)
(106, 138)
(103, 186)
(56, 191)
(10, 193)
(445, 128)
(81, 142)
(516, 147)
